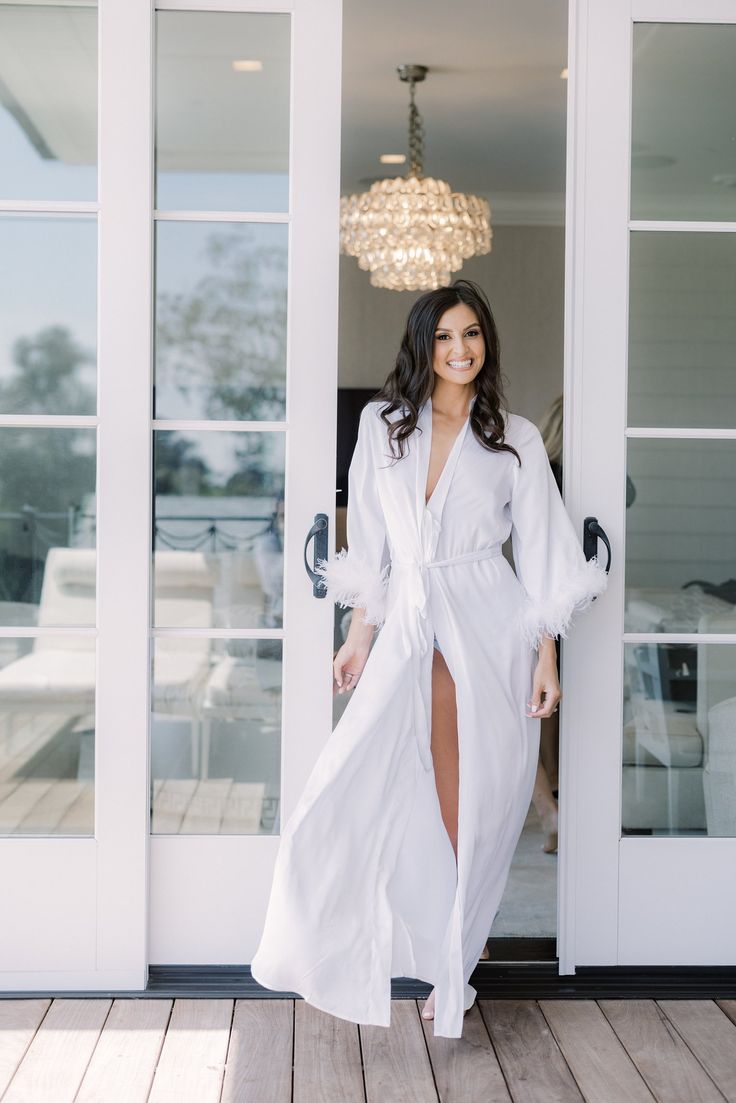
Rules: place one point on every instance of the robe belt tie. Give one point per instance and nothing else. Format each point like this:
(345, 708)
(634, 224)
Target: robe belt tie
(418, 582)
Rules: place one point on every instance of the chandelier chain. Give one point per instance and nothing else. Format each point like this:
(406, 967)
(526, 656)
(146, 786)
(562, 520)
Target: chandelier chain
(412, 232)
(416, 136)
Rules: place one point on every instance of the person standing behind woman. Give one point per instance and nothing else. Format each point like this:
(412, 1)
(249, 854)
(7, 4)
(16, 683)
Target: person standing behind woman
(545, 798)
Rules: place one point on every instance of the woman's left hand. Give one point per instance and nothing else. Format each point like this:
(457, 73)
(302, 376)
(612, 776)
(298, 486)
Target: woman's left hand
(546, 693)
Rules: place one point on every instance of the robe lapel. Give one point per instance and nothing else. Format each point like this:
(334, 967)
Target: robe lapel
(436, 503)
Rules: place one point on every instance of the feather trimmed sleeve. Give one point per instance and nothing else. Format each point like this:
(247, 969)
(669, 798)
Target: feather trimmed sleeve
(549, 560)
(357, 577)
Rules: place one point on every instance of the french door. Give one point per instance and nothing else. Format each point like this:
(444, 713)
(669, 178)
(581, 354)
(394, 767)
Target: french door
(169, 210)
(648, 788)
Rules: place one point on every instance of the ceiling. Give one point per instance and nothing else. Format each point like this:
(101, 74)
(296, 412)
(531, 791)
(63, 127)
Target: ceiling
(493, 103)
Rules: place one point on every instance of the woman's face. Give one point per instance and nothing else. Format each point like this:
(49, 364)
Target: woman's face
(459, 348)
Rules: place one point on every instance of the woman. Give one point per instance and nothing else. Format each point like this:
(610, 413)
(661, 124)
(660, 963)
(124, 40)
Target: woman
(395, 858)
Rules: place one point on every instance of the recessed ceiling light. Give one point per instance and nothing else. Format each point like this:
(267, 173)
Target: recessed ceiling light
(392, 158)
(563, 74)
(247, 65)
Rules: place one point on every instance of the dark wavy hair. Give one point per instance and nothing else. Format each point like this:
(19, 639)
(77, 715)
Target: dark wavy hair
(411, 382)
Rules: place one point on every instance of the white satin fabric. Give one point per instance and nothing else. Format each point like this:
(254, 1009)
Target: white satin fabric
(366, 886)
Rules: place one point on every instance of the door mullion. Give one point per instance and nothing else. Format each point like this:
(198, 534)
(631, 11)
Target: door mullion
(124, 495)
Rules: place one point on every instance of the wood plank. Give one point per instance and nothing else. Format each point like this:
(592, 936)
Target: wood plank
(52, 807)
(397, 1068)
(711, 1035)
(79, 819)
(327, 1060)
(124, 1061)
(668, 1066)
(244, 808)
(20, 802)
(259, 1057)
(170, 805)
(20, 746)
(534, 1068)
(54, 1064)
(593, 1052)
(19, 1021)
(466, 1070)
(192, 1061)
(729, 1008)
(204, 812)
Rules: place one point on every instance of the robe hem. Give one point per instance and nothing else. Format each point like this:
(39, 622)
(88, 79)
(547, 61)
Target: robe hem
(355, 1017)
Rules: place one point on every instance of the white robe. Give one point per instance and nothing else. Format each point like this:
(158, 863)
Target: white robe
(366, 886)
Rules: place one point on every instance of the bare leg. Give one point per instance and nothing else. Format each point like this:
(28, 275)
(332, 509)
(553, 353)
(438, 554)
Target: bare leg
(445, 753)
(546, 807)
(446, 759)
(549, 747)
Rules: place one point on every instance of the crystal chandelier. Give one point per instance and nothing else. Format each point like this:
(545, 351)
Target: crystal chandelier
(412, 231)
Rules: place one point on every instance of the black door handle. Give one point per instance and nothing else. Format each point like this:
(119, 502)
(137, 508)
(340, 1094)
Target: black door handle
(592, 533)
(318, 532)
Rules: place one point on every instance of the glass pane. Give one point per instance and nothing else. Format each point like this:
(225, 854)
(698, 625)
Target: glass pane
(218, 530)
(48, 323)
(222, 111)
(221, 321)
(680, 534)
(216, 737)
(683, 147)
(682, 330)
(679, 737)
(48, 102)
(47, 527)
(47, 735)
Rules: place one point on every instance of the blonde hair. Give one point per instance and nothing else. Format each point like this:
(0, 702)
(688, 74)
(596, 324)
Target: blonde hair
(550, 426)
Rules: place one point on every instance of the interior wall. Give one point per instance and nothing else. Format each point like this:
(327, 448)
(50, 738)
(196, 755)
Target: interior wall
(523, 276)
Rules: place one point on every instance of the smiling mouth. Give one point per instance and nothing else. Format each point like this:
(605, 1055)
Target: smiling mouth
(460, 365)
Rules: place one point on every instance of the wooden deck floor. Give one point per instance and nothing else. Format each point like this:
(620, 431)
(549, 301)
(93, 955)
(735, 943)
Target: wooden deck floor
(279, 1051)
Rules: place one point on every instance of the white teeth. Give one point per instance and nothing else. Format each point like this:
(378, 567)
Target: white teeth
(460, 363)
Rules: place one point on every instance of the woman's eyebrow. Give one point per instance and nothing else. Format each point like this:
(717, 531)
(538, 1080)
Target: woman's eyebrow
(441, 329)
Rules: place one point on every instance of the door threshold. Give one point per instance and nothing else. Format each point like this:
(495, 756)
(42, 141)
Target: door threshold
(519, 980)
(529, 980)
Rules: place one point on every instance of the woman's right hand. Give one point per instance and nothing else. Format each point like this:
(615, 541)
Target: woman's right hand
(349, 661)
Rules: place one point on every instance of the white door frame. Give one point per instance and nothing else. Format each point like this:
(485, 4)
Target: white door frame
(76, 916)
(89, 913)
(615, 894)
(221, 883)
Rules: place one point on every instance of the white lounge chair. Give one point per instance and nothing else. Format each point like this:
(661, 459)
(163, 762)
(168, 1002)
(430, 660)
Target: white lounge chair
(57, 676)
